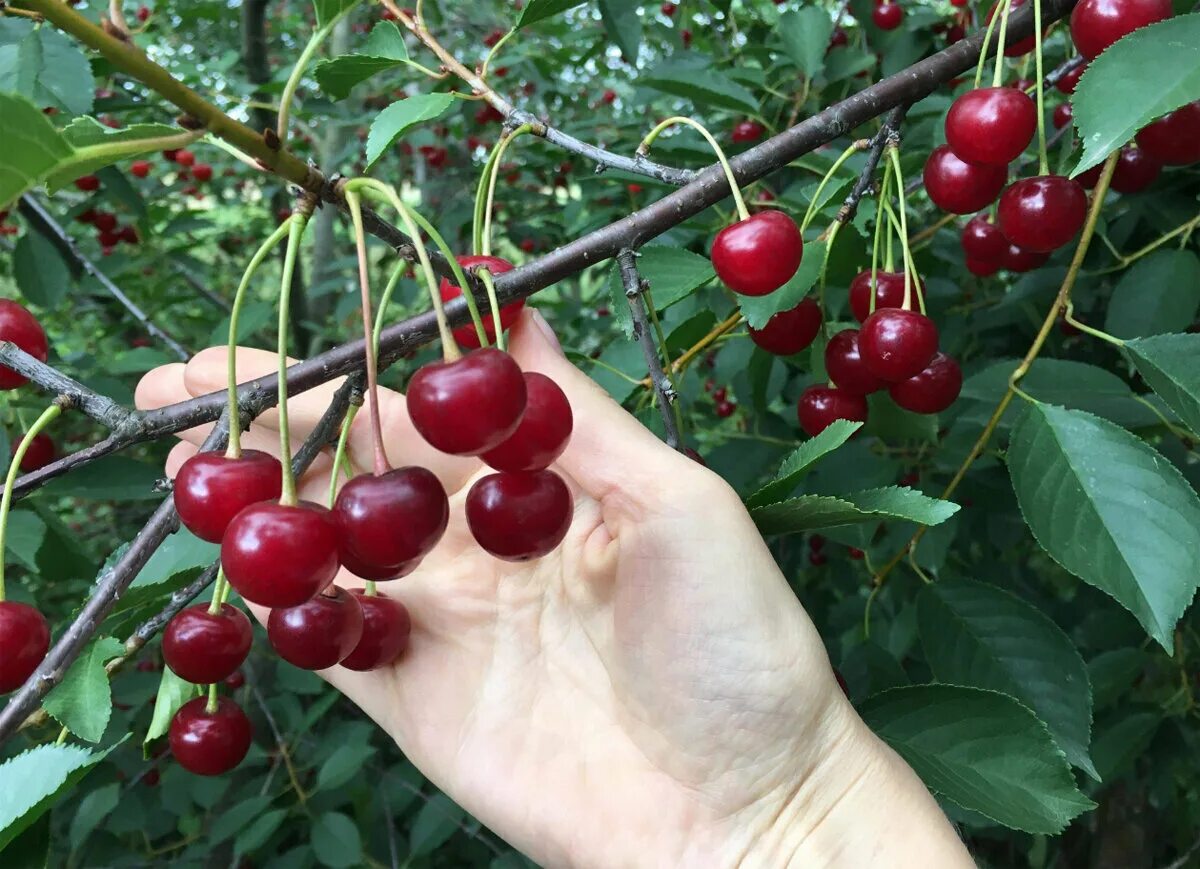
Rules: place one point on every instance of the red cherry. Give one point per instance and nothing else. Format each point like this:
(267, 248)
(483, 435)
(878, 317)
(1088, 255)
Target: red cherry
(108, 238)
(983, 268)
(820, 406)
(318, 633)
(817, 559)
(889, 292)
(748, 131)
(931, 391)
(280, 556)
(1013, 49)
(105, 221)
(838, 38)
(387, 521)
(1135, 171)
(202, 172)
(140, 168)
(468, 406)
(235, 680)
(24, 641)
(844, 365)
(385, 630)
(1067, 83)
(38, 454)
(758, 255)
(668, 9)
(492, 38)
(609, 97)
(720, 393)
(958, 187)
(519, 516)
(169, 155)
(1062, 115)
(1042, 213)
(1174, 139)
(203, 647)
(887, 16)
(465, 335)
(685, 37)
(543, 432)
(143, 13)
(816, 543)
(21, 328)
(129, 235)
(725, 409)
(897, 344)
(982, 240)
(789, 332)
(210, 489)
(88, 183)
(185, 158)
(1022, 84)
(1097, 24)
(1017, 259)
(991, 126)
(209, 743)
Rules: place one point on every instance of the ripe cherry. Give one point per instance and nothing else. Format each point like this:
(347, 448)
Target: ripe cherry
(278, 555)
(889, 292)
(1174, 139)
(385, 630)
(543, 432)
(143, 13)
(209, 743)
(982, 268)
(24, 641)
(931, 391)
(991, 126)
(1062, 115)
(1067, 83)
(887, 16)
(465, 335)
(724, 409)
(1097, 24)
(789, 332)
(845, 367)
(758, 255)
(820, 406)
(203, 647)
(1017, 259)
(210, 489)
(1135, 170)
(21, 328)
(185, 158)
(668, 9)
(140, 168)
(609, 97)
(468, 406)
(748, 131)
(105, 221)
(897, 344)
(958, 187)
(386, 521)
(38, 454)
(1043, 213)
(519, 516)
(88, 183)
(982, 240)
(318, 633)
(202, 172)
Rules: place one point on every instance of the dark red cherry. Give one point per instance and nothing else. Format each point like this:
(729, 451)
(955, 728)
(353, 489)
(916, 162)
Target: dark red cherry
(210, 489)
(982, 240)
(983, 268)
(889, 292)
(466, 335)
(24, 641)
(209, 743)
(376, 572)
(789, 332)
(468, 406)
(387, 521)
(203, 647)
(22, 328)
(991, 126)
(1173, 139)
(1135, 171)
(1067, 83)
(519, 516)
(748, 131)
(38, 454)
(87, 183)
(1097, 24)
(887, 16)
(845, 367)
(1042, 214)
(385, 630)
(958, 187)
(318, 633)
(543, 432)
(1062, 115)
(931, 391)
(758, 255)
(896, 344)
(820, 406)
(280, 556)
(1017, 259)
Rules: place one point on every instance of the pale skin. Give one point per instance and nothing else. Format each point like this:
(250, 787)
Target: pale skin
(649, 694)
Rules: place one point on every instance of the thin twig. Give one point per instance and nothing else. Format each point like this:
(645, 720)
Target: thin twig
(866, 178)
(664, 391)
(99, 407)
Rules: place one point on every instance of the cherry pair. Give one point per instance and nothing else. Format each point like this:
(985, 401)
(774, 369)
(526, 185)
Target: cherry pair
(987, 250)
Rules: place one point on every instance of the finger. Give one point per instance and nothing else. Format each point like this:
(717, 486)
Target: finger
(164, 386)
(179, 454)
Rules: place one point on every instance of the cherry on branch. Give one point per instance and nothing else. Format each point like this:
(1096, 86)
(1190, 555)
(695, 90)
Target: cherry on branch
(758, 255)
(210, 743)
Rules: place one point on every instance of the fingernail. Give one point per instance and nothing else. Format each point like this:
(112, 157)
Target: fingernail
(547, 332)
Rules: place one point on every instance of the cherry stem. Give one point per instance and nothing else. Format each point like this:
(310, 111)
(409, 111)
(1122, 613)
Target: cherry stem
(218, 595)
(296, 227)
(293, 82)
(354, 203)
(983, 51)
(234, 449)
(495, 48)
(909, 266)
(855, 147)
(460, 274)
(644, 148)
(1043, 159)
(339, 455)
(486, 191)
(1069, 316)
(879, 221)
(998, 75)
(910, 273)
(369, 589)
(48, 416)
(211, 706)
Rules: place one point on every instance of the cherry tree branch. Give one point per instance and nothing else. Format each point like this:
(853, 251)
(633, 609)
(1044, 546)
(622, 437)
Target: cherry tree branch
(664, 391)
(889, 132)
(99, 407)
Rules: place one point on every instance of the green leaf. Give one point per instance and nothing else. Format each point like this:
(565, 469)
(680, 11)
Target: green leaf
(797, 464)
(256, 835)
(335, 841)
(1129, 85)
(540, 10)
(344, 764)
(694, 79)
(113, 478)
(41, 274)
(88, 133)
(808, 512)
(173, 692)
(26, 532)
(82, 702)
(401, 116)
(979, 635)
(1168, 365)
(672, 273)
(759, 309)
(328, 10)
(1110, 510)
(982, 750)
(32, 147)
(434, 825)
(805, 34)
(1158, 294)
(384, 50)
(44, 66)
(1120, 742)
(235, 818)
(93, 809)
(623, 25)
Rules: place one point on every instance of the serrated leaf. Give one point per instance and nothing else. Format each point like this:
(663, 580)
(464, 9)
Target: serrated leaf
(982, 750)
(623, 25)
(336, 842)
(695, 79)
(82, 702)
(1110, 510)
(797, 464)
(401, 116)
(672, 273)
(1158, 294)
(328, 10)
(93, 809)
(435, 823)
(978, 635)
(41, 275)
(759, 309)
(805, 33)
(540, 10)
(84, 133)
(1128, 85)
(384, 50)
(808, 512)
(173, 692)
(32, 147)
(1168, 365)
(45, 66)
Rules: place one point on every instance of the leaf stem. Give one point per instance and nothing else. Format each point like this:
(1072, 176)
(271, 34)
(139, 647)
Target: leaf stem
(644, 148)
(48, 416)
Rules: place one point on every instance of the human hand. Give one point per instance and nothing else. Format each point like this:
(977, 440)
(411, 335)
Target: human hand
(651, 693)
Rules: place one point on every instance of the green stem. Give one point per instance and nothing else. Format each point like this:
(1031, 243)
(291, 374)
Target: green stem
(495, 48)
(48, 416)
(987, 38)
(354, 203)
(399, 272)
(1069, 316)
(339, 455)
(498, 153)
(494, 304)
(909, 266)
(293, 82)
(738, 201)
(1043, 158)
(211, 706)
(296, 227)
(910, 275)
(998, 75)
(837, 164)
(114, 151)
(218, 596)
(880, 218)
